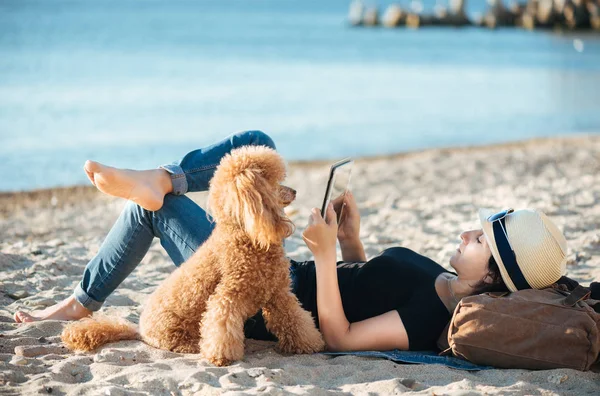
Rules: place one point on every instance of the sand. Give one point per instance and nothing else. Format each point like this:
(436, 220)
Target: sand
(420, 200)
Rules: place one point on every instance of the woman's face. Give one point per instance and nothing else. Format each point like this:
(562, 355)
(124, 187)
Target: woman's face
(472, 256)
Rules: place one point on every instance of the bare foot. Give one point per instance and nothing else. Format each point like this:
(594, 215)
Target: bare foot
(146, 188)
(68, 309)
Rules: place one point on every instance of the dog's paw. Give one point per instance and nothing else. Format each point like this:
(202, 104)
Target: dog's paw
(221, 359)
(222, 353)
(310, 342)
(220, 362)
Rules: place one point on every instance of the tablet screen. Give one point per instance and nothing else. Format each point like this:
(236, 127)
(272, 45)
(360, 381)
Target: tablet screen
(338, 184)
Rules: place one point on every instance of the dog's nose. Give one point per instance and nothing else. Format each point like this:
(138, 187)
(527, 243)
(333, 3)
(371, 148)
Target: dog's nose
(293, 192)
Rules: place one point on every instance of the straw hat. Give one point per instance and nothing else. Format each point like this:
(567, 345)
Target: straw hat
(539, 247)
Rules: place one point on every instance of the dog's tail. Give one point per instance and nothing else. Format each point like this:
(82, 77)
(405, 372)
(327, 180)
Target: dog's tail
(91, 333)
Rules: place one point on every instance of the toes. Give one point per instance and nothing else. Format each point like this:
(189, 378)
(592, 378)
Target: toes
(90, 176)
(26, 318)
(22, 317)
(17, 316)
(91, 166)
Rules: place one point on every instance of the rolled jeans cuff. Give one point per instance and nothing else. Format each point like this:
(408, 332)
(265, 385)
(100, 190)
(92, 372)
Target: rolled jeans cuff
(84, 299)
(180, 184)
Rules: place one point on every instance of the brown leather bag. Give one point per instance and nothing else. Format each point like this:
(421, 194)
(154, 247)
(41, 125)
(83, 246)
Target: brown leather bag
(528, 329)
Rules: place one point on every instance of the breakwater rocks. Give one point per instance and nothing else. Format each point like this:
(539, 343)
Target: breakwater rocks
(533, 14)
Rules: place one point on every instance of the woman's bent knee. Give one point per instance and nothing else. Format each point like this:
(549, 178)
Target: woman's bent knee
(259, 138)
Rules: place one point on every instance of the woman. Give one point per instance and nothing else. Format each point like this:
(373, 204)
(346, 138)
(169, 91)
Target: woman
(397, 300)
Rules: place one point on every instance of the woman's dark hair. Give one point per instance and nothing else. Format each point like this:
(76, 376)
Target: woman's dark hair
(497, 284)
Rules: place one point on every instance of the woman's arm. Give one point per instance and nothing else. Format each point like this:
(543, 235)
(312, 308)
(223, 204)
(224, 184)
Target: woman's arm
(382, 332)
(353, 251)
(349, 229)
(379, 333)
(332, 319)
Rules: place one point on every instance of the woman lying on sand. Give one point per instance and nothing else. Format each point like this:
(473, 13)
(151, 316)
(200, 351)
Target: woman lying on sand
(396, 300)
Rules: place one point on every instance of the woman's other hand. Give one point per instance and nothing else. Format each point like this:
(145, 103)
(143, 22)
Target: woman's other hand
(349, 226)
(320, 235)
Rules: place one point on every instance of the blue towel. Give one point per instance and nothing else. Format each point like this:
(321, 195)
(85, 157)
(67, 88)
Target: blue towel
(418, 357)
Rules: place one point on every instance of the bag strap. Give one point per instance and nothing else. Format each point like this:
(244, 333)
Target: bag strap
(595, 289)
(578, 294)
(569, 283)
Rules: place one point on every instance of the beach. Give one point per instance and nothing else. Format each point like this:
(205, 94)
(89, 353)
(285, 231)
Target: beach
(420, 200)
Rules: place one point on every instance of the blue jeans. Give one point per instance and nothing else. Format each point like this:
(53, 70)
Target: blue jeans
(181, 225)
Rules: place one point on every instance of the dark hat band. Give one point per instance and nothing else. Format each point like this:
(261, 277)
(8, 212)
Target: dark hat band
(509, 259)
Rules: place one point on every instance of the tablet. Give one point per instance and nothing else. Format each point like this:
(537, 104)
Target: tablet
(338, 183)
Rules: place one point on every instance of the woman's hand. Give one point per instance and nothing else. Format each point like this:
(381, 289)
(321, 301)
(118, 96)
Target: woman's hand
(320, 235)
(349, 227)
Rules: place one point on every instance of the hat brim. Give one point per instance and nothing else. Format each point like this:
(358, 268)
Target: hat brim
(488, 232)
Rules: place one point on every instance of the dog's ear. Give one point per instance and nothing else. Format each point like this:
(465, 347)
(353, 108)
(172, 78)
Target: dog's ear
(256, 205)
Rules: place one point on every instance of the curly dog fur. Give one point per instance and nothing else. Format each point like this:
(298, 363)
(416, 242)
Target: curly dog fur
(202, 306)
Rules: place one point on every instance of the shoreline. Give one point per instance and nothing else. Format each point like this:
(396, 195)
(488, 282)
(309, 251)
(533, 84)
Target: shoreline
(81, 188)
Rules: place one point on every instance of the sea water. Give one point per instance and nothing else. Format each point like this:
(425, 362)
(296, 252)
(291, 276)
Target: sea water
(140, 83)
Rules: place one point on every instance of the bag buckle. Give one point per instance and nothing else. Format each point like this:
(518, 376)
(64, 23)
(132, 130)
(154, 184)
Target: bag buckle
(578, 294)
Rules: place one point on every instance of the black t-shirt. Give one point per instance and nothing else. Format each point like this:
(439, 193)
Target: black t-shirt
(398, 279)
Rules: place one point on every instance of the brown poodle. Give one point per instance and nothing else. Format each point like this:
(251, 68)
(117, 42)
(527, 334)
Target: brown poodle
(241, 268)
